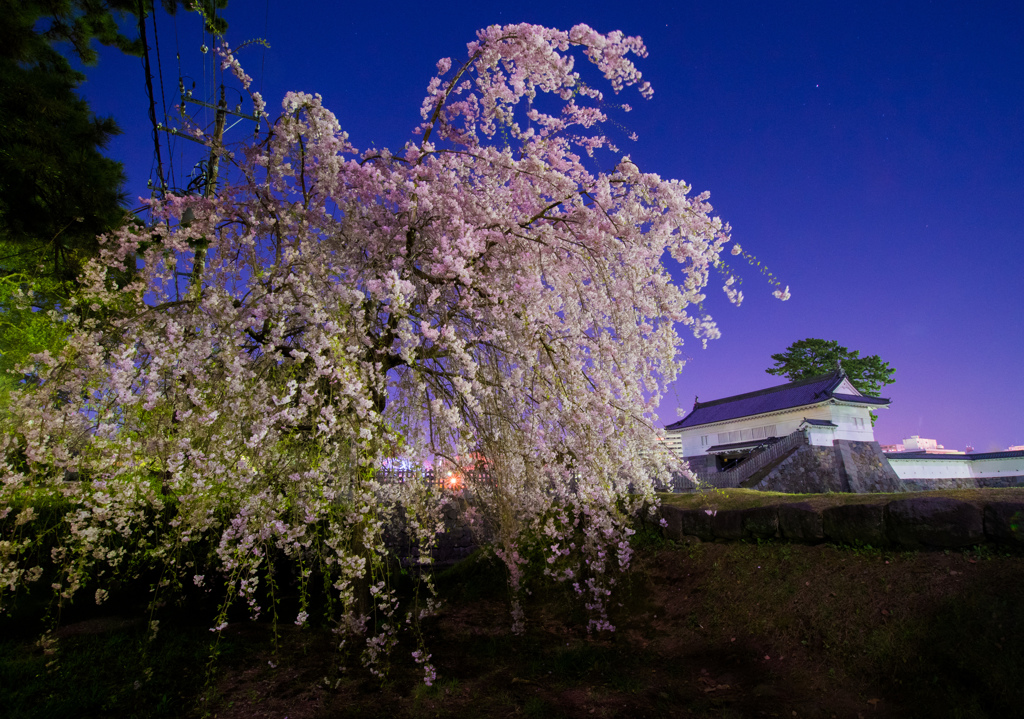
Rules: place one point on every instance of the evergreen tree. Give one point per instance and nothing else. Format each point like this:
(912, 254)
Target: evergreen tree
(810, 357)
(58, 191)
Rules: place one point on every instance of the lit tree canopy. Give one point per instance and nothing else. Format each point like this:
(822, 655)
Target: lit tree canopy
(478, 291)
(474, 292)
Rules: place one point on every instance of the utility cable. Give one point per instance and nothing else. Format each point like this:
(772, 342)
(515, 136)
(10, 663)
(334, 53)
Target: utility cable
(149, 92)
(163, 96)
(266, 27)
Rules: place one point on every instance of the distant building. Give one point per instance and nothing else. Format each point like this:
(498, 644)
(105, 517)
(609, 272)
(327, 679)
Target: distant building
(914, 443)
(815, 435)
(1015, 448)
(719, 434)
(668, 443)
(946, 470)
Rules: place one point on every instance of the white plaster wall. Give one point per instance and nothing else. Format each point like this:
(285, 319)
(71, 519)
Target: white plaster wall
(846, 387)
(822, 411)
(690, 444)
(689, 439)
(916, 468)
(844, 416)
(953, 467)
(1005, 467)
(821, 436)
(686, 442)
(671, 440)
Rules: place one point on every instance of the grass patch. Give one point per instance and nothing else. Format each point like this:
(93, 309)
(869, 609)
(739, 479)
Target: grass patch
(715, 630)
(114, 672)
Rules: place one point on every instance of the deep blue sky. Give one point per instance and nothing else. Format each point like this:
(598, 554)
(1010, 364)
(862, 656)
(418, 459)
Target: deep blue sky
(871, 154)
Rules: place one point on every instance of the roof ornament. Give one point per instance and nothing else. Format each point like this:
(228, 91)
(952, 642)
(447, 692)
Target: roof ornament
(839, 364)
(695, 401)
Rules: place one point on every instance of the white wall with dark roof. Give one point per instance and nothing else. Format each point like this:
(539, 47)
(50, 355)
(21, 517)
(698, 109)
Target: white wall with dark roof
(852, 422)
(945, 466)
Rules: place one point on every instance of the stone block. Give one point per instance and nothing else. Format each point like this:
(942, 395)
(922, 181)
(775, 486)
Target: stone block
(727, 524)
(855, 524)
(1009, 481)
(460, 536)
(933, 522)
(865, 468)
(761, 522)
(673, 522)
(801, 522)
(682, 523)
(1004, 522)
(696, 523)
(808, 470)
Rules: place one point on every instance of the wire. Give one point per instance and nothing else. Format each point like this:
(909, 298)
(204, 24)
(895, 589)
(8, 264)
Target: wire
(163, 96)
(181, 86)
(152, 101)
(263, 60)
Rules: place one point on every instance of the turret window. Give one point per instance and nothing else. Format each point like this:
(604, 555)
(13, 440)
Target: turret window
(743, 435)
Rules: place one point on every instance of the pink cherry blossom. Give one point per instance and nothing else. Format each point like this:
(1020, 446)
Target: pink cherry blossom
(477, 292)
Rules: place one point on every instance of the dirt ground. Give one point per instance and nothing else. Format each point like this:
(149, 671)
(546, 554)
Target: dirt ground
(710, 630)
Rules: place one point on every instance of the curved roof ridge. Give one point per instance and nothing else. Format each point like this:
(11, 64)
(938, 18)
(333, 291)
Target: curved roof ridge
(800, 393)
(838, 375)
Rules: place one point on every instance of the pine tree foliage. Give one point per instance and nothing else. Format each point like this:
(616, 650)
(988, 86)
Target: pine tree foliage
(58, 191)
(811, 356)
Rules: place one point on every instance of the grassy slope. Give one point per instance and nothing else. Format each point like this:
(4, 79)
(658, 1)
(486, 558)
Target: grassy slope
(703, 630)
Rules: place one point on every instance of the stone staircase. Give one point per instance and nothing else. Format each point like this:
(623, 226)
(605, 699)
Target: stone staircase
(757, 466)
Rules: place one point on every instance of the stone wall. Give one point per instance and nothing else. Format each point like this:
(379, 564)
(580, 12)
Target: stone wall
(859, 467)
(911, 523)
(866, 468)
(1012, 481)
(463, 535)
(847, 466)
(810, 469)
(921, 485)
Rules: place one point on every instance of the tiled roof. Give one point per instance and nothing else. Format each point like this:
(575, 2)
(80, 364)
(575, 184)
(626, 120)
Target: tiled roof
(820, 422)
(812, 390)
(1007, 454)
(742, 445)
(861, 399)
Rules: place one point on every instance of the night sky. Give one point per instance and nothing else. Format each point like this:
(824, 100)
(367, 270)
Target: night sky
(870, 154)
